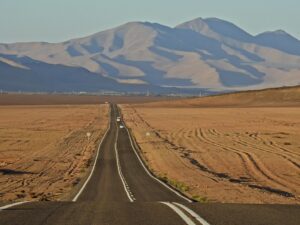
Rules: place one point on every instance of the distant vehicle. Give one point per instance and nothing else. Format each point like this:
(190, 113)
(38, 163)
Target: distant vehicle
(121, 126)
(118, 119)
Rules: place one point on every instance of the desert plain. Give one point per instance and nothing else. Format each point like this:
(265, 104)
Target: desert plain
(45, 153)
(234, 149)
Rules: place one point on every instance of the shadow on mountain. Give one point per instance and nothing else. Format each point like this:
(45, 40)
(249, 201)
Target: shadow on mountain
(188, 40)
(234, 79)
(73, 52)
(279, 40)
(153, 75)
(109, 69)
(93, 47)
(239, 64)
(48, 77)
(169, 55)
(249, 55)
(43, 77)
(117, 44)
(228, 29)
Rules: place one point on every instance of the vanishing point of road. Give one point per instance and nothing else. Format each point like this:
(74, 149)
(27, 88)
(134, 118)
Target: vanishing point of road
(121, 191)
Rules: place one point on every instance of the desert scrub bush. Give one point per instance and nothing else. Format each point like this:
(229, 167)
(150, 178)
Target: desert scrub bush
(200, 198)
(176, 184)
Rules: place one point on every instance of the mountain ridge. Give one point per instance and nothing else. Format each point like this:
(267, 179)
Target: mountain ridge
(199, 54)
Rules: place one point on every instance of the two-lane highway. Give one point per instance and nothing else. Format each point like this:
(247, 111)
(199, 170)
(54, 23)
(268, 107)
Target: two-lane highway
(143, 185)
(120, 190)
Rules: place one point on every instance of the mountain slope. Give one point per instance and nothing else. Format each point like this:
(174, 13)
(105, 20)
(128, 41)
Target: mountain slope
(279, 40)
(32, 75)
(26, 74)
(202, 53)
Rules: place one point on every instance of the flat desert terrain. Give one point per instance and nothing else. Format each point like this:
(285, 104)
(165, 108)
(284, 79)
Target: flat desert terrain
(276, 97)
(44, 150)
(222, 154)
(65, 99)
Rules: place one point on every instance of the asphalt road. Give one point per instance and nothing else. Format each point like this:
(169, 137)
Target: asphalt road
(121, 191)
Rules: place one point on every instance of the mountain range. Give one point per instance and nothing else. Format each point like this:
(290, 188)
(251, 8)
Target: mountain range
(202, 54)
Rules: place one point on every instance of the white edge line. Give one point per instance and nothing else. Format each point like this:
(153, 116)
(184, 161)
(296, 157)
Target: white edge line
(95, 162)
(12, 205)
(182, 215)
(119, 168)
(146, 169)
(193, 214)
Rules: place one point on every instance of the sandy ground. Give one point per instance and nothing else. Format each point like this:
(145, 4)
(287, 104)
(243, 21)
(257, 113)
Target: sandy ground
(44, 150)
(275, 97)
(229, 155)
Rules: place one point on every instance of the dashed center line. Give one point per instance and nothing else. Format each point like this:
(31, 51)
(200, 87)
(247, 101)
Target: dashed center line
(184, 212)
(125, 184)
(146, 169)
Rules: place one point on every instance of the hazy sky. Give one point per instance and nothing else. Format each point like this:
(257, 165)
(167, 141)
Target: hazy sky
(59, 20)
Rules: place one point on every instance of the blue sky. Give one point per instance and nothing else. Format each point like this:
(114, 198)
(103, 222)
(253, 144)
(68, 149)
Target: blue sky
(60, 20)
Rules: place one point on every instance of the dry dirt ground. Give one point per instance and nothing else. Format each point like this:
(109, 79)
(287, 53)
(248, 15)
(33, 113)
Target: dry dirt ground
(274, 97)
(44, 150)
(229, 155)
